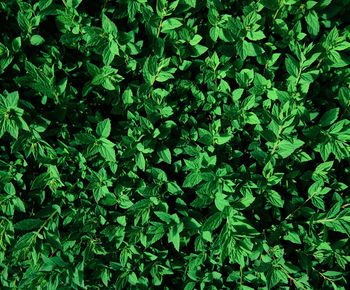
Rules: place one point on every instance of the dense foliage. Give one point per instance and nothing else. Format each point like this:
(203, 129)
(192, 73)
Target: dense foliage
(203, 144)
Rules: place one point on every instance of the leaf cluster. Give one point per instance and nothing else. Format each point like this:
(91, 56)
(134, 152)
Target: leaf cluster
(174, 143)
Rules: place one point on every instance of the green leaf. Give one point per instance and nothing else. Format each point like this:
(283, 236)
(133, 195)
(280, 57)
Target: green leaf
(196, 39)
(213, 222)
(170, 24)
(198, 50)
(24, 241)
(174, 236)
(292, 66)
(140, 161)
(128, 96)
(104, 128)
(192, 179)
(275, 198)
(329, 117)
(292, 237)
(252, 118)
(191, 3)
(173, 188)
(36, 40)
(78, 275)
(109, 199)
(221, 202)
(248, 103)
(28, 224)
(43, 4)
(107, 152)
(164, 76)
(205, 137)
(150, 69)
(252, 49)
(313, 25)
(165, 155)
(108, 25)
(287, 148)
(220, 140)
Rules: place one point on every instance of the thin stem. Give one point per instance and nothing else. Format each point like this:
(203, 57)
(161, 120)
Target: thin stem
(275, 146)
(299, 73)
(161, 22)
(44, 224)
(6, 198)
(2, 235)
(289, 276)
(322, 275)
(41, 228)
(324, 220)
(154, 78)
(104, 5)
(65, 3)
(159, 27)
(241, 280)
(278, 10)
(57, 98)
(277, 141)
(14, 284)
(319, 62)
(53, 253)
(345, 110)
(298, 208)
(293, 279)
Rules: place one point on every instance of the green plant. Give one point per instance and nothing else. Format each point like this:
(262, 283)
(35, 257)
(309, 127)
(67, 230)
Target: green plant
(199, 144)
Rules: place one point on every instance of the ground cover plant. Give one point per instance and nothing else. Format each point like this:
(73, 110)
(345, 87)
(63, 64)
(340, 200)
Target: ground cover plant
(199, 144)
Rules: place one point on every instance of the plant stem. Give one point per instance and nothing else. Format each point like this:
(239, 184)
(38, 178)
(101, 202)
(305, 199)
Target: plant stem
(289, 276)
(298, 208)
(241, 280)
(278, 10)
(44, 224)
(161, 22)
(277, 141)
(299, 73)
(345, 110)
(322, 275)
(57, 98)
(293, 279)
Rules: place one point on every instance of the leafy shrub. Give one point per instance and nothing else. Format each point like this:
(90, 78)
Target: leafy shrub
(199, 144)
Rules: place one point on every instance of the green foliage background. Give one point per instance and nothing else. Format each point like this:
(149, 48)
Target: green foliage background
(200, 144)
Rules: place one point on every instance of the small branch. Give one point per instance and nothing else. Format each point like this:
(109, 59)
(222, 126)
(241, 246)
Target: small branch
(104, 5)
(241, 280)
(277, 141)
(159, 27)
(278, 10)
(161, 22)
(14, 284)
(299, 73)
(53, 253)
(57, 98)
(275, 146)
(154, 78)
(41, 228)
(65, 3)
(297, 209)
(322, 275)
(289, 276)
(43, 225)
(345, 110)
(319, 62)
(2, 235)
(293, 279)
